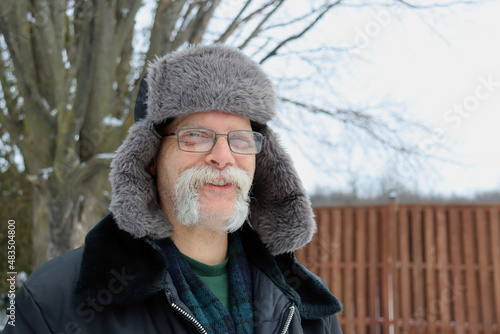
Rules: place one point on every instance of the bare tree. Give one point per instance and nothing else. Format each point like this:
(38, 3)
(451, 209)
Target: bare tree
(69, 71)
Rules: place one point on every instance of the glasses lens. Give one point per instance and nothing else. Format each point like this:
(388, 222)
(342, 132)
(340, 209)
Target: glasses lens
(245, 142)
(196, 140)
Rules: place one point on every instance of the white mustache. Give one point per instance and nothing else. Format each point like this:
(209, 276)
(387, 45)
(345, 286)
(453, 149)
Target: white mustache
(197, 177)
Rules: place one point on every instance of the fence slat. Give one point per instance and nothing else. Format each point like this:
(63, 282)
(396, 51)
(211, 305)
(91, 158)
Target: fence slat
(430, 251)
(324, 251)
(495, 255)
(456, 245)
(385, 297)
(348, 246)
(404, 251)
(360, 271)
(470, 269)
(374, 289)
(443, 275)
(417, 270)
(337, 224)
(393, 282)
(484, 285)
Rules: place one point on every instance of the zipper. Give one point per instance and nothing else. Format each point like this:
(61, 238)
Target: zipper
(186, 315)
(288, 319)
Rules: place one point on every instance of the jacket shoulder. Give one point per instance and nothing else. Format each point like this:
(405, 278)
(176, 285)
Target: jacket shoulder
(55, 279)
(55, 272)
(46, 294)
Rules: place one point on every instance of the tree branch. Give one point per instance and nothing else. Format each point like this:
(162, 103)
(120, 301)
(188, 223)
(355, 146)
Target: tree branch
(373, 126)
(20, 52)
(13, 127)
(434, 5)
(258, 29)
(48, 47)
(126, 20)
(166, 16)
(237, 22)
(294, 21)
(300, 34)
(202, 22)
(195, 29)
(89, 168)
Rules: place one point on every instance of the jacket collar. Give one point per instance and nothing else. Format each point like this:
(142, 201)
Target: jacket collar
(302, 287)
(131, 270)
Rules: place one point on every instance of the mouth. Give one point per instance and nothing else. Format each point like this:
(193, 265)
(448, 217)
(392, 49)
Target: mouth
(219, 182)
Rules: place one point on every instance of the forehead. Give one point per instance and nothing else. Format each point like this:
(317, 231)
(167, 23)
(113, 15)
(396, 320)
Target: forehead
(214, 120)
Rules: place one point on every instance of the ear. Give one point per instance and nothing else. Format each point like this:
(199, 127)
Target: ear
(152, 168)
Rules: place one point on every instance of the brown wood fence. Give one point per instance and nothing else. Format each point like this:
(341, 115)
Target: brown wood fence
(401, 268)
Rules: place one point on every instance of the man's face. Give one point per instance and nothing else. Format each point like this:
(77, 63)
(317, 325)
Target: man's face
(215, 199)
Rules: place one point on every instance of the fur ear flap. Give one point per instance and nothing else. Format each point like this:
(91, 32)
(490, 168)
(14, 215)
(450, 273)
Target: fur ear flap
(281, 212)
(134, 202)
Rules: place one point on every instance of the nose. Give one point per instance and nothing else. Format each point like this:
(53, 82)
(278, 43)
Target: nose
(221, 155)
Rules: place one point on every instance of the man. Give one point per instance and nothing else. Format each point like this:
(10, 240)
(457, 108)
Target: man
(175, 255)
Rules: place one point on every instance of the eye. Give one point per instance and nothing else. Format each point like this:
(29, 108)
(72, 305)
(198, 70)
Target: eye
(195, 136)
(241, 141)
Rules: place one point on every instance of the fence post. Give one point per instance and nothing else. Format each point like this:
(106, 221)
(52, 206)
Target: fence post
(392, 281)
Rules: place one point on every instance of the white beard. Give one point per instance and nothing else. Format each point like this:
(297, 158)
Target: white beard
(187, 198)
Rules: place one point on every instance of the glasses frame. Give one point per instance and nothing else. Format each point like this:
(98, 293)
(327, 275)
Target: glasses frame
(215, 139)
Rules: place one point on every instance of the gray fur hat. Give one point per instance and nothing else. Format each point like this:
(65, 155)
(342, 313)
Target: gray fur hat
(197, 79)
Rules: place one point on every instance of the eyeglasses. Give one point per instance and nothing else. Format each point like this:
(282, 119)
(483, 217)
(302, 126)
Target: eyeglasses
(203, 140)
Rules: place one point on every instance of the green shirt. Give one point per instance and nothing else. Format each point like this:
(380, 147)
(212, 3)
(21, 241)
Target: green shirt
(215, 277)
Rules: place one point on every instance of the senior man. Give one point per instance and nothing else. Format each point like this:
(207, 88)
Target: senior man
(175, 254)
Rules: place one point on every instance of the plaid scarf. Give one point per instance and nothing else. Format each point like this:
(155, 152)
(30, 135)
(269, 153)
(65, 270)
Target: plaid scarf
(206, 307)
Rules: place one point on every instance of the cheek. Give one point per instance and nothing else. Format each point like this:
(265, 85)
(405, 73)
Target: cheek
(171, 164)
(165, 170)
(250, 167)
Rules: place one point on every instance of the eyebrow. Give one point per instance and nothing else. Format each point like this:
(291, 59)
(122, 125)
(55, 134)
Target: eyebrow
(198, 125)
(194, 125)
(190, 126)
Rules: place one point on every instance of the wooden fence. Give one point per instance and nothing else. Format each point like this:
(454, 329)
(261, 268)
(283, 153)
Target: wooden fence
(402, 268)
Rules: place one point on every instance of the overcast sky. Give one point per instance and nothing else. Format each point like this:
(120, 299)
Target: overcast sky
(445, 67)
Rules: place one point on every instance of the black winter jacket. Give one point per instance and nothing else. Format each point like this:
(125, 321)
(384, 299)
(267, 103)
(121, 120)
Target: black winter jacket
(119, 284)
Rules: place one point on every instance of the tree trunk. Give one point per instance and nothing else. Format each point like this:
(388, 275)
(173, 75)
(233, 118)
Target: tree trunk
(56, 209)
(40, 231)
(94, 206)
